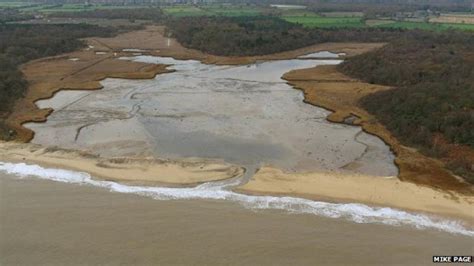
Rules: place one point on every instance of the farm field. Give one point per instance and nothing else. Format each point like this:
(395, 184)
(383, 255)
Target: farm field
(426, 25)
(72, 8)
(463, 18)
(315, 21)
(185, 11)
(212, 10)
(14, 4)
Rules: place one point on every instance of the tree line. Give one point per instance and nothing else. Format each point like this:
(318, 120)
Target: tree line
(22, 43)
(433, 76)
(239, 36)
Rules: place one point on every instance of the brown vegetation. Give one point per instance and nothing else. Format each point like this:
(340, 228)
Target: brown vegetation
(49, 75)
(326, 87)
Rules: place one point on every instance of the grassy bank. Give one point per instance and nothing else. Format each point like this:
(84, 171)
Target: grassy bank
(22, 43)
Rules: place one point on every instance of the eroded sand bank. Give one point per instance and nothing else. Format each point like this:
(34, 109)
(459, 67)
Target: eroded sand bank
(184, 172)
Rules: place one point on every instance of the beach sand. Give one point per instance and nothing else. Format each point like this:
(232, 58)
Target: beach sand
(371, 190)
(49, 223)
(180, 172)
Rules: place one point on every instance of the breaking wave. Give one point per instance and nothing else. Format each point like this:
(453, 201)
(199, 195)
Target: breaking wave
(358, 213)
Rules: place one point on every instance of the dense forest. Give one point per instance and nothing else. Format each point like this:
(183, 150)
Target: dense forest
(262, 35)
(21, 43)
(10, 14)
(434, 96)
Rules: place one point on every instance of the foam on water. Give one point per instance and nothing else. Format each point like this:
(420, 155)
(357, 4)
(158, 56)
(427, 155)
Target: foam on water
(358, 213)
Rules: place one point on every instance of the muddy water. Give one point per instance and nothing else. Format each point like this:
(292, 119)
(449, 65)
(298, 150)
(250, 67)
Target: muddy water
(51, 223)
(243, 114)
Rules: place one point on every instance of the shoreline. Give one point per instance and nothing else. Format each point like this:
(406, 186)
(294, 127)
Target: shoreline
(413, 167)
(186, 172)
(355, 188)
(45, 223)
(332, 187)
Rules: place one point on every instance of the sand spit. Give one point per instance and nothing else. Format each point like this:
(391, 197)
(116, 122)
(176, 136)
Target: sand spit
(365, 189)
(326, 87)
(176, 173)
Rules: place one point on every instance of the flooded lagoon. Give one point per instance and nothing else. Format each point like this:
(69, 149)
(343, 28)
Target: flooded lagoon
(246, 115)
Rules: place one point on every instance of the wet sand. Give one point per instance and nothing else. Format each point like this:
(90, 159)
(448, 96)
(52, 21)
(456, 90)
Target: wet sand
(45, 222)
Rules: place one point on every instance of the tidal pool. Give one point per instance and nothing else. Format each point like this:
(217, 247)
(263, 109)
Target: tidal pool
(245, 115)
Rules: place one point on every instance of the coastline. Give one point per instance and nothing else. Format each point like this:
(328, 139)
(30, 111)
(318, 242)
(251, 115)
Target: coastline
(137, 171)
(354, 188)
(328, 89)
(46, 223)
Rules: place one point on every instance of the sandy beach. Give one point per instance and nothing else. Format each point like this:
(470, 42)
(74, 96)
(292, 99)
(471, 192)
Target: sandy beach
(370, 190)
(185, 172)
(123, 132)
(50, 223)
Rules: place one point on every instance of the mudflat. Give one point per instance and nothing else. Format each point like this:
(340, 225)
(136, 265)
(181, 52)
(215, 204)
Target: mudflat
(245, 115)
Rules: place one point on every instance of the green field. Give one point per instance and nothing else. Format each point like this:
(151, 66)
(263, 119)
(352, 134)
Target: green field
(315, 21)
(233, 11)
(211, 10)
(304, 17)
(14, 4)
(73, 8)
(185, 11)
(427, 26)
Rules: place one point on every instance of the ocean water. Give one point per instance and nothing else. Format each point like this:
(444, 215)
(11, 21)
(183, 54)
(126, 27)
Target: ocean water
(354, 212)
